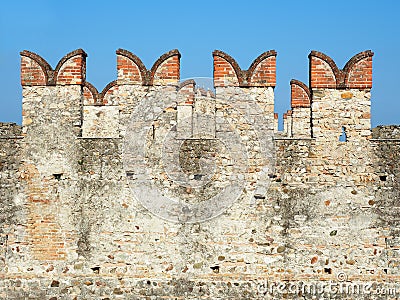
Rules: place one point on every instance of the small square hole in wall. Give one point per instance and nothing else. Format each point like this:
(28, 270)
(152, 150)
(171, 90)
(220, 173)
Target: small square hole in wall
(382, 177)
(57, 176)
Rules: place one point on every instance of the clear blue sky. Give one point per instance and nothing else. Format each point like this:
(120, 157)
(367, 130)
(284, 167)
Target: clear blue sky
(243, 29)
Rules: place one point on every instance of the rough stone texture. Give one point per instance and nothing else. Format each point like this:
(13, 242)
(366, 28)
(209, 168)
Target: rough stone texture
(100, 121)
(10, 188)
(386, 132)
(333, 110)
(301, 126)
(288, 123)
(326, 213)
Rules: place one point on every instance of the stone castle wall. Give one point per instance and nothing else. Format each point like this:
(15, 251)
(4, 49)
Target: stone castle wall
(311, 208)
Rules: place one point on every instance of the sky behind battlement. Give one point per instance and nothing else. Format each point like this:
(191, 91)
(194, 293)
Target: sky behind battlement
(244, 30)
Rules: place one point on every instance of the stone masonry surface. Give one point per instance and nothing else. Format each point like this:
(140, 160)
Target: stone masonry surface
(321, 208)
